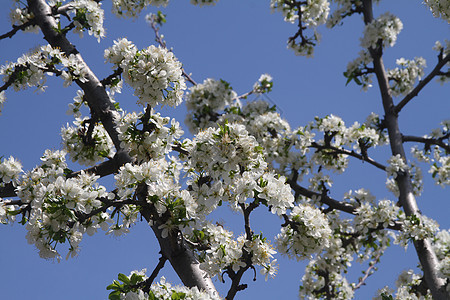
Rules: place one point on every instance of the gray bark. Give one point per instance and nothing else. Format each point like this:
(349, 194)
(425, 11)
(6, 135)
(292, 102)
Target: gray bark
(424, 250)
(181, 257)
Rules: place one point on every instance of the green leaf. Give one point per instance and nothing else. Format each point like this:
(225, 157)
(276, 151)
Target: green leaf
(114, 286)
(151, 296)
(114, 295)
(178, 296)
(123, 278)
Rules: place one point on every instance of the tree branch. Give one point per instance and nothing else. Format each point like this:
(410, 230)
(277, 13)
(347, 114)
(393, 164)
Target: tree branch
(436, 71)
(16, 28)
(368, 272)
(335, 204)
(148, 283)
(160, 41)
(177, 251)
(429, 141)
(95, 93)
(349, 153)
(426, 255)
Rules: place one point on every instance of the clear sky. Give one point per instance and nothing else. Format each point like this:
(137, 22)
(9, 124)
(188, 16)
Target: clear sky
(236, 40)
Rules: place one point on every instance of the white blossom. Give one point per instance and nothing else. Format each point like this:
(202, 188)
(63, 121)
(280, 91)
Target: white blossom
(204, 102)
(416, 227)
(385, 28)
(88, 15)
(306, 234)
(396, 164)
(439, 8)
(154, 72)
(85, 147)
(10, 169)
(402, 79)
(55, 201)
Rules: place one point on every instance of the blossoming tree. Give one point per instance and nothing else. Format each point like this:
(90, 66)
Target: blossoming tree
(241, 154)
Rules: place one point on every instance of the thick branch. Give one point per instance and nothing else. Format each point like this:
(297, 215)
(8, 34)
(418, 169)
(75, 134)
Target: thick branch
(426, 255)
(436, 71)
(8, 191)
(177, 251)
(95, 93)
(428, 141)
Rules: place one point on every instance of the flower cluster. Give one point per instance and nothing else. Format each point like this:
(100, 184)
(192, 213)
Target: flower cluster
(88, 15)
(226, 252)
(225, 152)
(86, 143)
(131, 288)
(385, 28)
(148, 138)
(132, 8)
(275, 193)
(20, 16)
(306, 233)
(314, 12)
(357, 70)
(396, 164)
(10, 169)
(369, 217)
(416, 227)
(223, 250)
(271, 131)
(264, 84)
(226, 164)
(440, 170)
(26, 72)
(55, 202)
(439, 8)
(30, 69)
(441, 246)
(204, 102)
(363, 137)
(345, 8)
(153, 173)
(162, 191)
(403, 78)
(204, 2)
(407, 284)
(154, 72)
(314, 286)
(436, 156)
(7, 212)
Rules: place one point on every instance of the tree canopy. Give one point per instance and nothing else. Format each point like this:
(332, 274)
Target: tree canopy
(254, 165)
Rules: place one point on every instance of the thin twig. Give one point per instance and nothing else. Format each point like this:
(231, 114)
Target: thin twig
(349, 153)
(368, 272)
(16, 28)
(163, 44)
(148, 283)
(429, 141)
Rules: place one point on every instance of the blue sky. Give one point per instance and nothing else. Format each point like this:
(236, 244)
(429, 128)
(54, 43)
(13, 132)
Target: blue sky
(235, 41)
